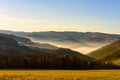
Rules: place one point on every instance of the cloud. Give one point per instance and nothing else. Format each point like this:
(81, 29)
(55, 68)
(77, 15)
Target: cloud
(10, 19)
(5, 9)
(22, 24)
(7, 15)
(37, 20)
(6, 18)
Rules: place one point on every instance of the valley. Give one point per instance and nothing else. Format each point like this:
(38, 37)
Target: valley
(83, 42)
(59, 39)
(39, 49)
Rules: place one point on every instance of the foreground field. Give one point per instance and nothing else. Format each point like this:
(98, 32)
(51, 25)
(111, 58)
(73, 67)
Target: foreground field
(59, 74)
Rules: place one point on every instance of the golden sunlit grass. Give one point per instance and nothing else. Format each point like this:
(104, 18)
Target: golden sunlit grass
(59, 74)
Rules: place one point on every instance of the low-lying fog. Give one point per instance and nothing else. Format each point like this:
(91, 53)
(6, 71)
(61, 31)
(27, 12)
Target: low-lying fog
(80, 47)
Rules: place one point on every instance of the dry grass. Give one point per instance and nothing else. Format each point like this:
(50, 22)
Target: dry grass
(59, 74)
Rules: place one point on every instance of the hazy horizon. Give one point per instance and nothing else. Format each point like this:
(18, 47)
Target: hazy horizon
(58, 31)
(60, 15)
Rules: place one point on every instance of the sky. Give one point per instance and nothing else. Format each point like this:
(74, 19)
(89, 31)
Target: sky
(60, 15)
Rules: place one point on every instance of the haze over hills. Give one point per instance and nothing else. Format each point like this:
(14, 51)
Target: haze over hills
(28, 42)
(47, 34)
(109, 53)
(9, 45)
(83, 42)
(14, 55)
(15, 44)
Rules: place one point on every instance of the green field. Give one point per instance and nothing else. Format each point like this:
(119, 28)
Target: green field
(59, 74)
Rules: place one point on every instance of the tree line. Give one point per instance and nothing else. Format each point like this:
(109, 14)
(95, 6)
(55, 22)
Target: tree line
(43, 60)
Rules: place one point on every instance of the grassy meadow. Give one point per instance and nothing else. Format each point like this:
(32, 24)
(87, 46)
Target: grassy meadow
(59, 74)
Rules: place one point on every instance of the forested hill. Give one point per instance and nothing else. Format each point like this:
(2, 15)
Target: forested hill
(109, 53)
(14, 55)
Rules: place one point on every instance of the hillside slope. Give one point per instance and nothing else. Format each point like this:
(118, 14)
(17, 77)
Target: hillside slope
(109, 53)
(8, 44)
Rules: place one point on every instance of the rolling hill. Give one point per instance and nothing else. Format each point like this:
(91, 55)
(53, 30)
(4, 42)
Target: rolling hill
(109, 53)
(14, 48)
(28, 42)
(84, 42)
(11, 44)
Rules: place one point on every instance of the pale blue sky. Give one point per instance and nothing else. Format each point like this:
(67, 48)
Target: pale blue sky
(60, 15)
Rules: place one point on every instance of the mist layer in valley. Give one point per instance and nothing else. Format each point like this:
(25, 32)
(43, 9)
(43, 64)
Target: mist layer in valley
(83, 47)
(83, 42)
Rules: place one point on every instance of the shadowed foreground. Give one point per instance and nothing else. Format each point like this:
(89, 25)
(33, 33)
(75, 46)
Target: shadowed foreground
(59, 75)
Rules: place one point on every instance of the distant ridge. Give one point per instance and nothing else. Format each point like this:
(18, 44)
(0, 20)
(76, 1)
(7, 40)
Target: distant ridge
(67, 35)
(83, 42)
